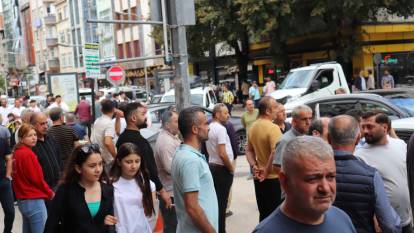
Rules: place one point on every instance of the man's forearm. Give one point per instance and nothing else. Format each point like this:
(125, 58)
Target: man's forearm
(226, 161)
(250, 156)
(111, 148)
(199, 219)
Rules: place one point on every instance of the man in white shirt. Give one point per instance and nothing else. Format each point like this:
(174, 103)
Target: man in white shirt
(388, 156)
(33, 106)
(103, 133)
(4, 111)
(220, 160)
(165, 147)
(17, 108)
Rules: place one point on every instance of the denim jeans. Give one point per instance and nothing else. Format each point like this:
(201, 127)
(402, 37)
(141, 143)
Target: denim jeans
(7, 203)
(169, 216)
(223, 180)
(34, 215)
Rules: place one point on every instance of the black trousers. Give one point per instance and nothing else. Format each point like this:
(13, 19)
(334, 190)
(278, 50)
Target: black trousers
(7, 203)
(169, 216)
(268, 196)
(407, 229)
(223, 180)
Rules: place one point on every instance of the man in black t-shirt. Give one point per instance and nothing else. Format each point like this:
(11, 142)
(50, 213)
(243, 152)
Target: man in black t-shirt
(135, 115)
(6, 193)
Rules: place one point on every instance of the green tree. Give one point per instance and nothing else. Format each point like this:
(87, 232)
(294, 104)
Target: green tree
(219, 21)
(336, 21)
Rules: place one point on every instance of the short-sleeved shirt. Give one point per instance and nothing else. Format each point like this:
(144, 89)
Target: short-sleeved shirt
(262, 137)
(128, 207)
(217, 135)
(248, 118)
(390, 161)
(65, 136)
(103, 127)
(191, 173)
(335, 220)
(4, 150)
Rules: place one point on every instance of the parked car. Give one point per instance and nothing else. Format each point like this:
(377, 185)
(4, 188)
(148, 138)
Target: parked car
(339, 104)
(200, 96)
(404, 128)
(156, 111)
(401, 97)
(310, 82)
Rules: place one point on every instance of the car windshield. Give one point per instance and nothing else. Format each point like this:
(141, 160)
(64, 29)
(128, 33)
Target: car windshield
(195, 99)
(297, 79)
(406, 105)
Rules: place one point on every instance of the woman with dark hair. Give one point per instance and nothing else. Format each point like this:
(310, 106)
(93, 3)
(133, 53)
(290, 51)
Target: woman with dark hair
(28, 184)
(134, 193)
(83, 202)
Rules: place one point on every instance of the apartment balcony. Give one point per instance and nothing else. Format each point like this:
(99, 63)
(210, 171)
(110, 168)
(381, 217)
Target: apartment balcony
(53, 64)
(51, 41)
(50, 20)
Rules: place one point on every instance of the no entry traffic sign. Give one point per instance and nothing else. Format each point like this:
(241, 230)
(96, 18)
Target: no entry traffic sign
(116, 75)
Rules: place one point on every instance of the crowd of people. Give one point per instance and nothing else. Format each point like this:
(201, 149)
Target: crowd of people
(347, 173)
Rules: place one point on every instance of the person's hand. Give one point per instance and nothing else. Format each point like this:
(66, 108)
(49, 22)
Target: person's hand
(263, 175)
(257, 172)
(110, 220)
(118, 113)
(166, 198)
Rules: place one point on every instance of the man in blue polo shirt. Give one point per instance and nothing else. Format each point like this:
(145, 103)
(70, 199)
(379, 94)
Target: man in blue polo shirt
(194, 193)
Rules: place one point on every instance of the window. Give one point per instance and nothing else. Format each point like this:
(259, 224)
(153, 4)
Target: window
(213, 97)
(331, 109)
(374, 106)
(324, 79)
(207, 100)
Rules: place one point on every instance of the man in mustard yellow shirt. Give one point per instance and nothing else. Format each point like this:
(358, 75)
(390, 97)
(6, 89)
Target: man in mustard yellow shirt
(228, 98)
(262, 138)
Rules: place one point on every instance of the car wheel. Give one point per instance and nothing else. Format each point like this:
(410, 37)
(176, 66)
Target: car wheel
(241, 142)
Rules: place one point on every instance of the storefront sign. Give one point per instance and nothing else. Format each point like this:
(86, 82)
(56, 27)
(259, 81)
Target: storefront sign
(389, 60)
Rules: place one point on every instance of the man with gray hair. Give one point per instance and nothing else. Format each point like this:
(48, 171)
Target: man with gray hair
(360, 188)
(165, 146)
(308, 179)
(63, 134)
(301, 121)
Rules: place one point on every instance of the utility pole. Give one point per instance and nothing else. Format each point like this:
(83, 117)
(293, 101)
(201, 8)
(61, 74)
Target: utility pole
(181, 15)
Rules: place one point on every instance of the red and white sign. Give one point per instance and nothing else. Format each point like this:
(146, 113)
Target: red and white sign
(116, 75)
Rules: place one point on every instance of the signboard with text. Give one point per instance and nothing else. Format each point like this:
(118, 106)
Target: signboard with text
(93, 70)
(65, 85)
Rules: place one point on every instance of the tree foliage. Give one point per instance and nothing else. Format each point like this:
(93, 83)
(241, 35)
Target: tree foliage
(337, 20)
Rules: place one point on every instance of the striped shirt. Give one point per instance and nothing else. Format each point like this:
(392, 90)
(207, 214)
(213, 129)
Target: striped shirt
(65, 136)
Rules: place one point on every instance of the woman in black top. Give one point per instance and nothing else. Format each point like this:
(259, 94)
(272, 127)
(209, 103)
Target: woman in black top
(82, 201)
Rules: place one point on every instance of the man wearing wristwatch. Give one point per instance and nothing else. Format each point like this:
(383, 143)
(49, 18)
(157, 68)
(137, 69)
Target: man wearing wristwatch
(6, 193)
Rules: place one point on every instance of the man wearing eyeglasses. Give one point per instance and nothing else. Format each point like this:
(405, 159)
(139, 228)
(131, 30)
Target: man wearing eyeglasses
(301, 121)
(47, 150)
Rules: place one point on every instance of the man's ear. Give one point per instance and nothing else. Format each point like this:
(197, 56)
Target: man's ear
(194, 129)
(358, 138)
(283, 181)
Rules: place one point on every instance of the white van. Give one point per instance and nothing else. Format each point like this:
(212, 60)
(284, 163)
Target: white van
(310, 82)
(201, 96)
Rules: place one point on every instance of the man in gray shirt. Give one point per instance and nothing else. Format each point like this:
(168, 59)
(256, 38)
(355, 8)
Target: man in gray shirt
(301, 121)
(165, 146)
(388, 156)
(387, 80)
